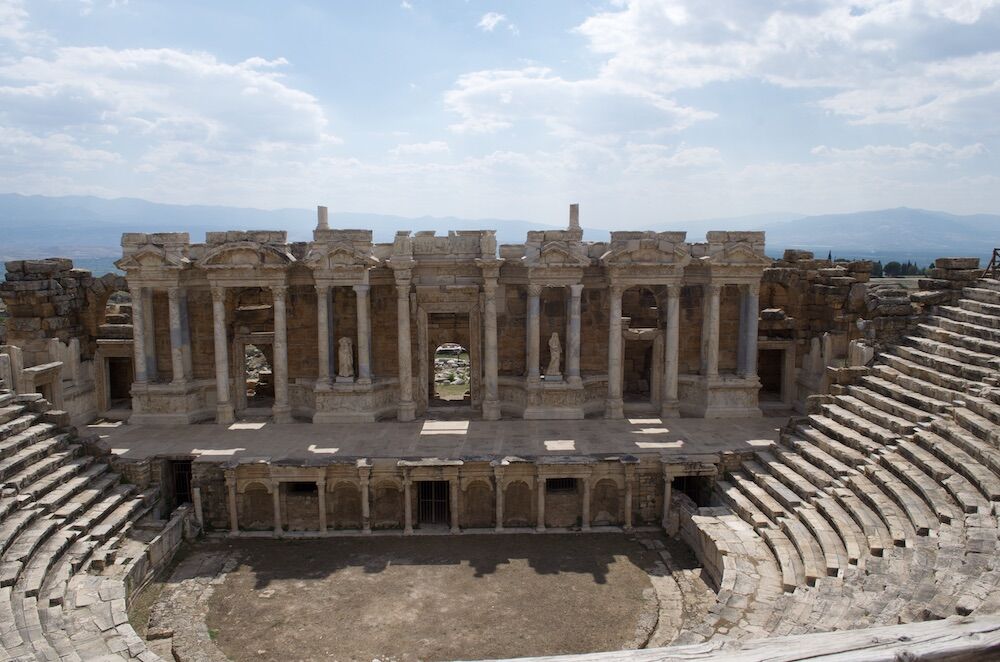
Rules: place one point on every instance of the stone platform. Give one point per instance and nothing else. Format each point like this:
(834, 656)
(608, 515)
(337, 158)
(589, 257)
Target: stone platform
(453, 439)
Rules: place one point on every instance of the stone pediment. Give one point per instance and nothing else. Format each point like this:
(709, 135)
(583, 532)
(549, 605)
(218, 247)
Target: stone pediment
(245, 255)
(339, 256)
(152, 257)
(557, 254)
(647, 253)
(738, 255)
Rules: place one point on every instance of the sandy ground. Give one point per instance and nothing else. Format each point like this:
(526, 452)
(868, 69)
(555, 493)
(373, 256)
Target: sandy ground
(429, 598)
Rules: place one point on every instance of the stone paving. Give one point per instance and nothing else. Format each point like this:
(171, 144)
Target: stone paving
(441, 438)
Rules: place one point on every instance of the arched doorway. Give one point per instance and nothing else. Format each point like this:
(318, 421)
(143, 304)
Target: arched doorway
(258, 378)
(451, 385)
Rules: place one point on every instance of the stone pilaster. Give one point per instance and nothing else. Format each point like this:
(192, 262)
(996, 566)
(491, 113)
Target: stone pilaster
(407, 506)
(748, 329)
(282, 411)
(540, 523)
(585, 510)
(321, 495)
(407, 407)
(533, 331)
(234, 520)
(573, 336)
(149, 324)
(366, 518)
(176, 335)
(710, 331)
(223, 403)
(669, 408)
(614, 408)
(455, 503)
(364, 334)
(498, 496)
(276, 494)
(323, 336)
(491, 403)
(139, 335)
(629, 480)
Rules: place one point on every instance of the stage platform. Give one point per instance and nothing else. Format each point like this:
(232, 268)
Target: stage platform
(445, 439)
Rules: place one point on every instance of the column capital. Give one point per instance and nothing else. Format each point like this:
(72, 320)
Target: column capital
(713, 288)
(361, 288)
(674, 291)
(403, 288)
(323, 287)
(534, 289)
(576, 289)
(616, 289)
(490, 287)
(498, 472)
(219, 294)
(279, 291)
(753, 289)
(321, 484)
(173, 293)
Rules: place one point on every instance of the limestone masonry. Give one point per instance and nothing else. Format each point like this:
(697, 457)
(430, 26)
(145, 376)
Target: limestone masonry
(828, 447)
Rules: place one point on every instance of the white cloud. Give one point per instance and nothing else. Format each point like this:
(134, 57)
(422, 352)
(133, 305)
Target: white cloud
(420, 149)
(916, 151)
(14, 27)
(406, 5)
(490, 21)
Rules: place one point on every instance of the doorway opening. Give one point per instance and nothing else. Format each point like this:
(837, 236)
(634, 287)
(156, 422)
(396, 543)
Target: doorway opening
(638, 370)
(119, 382)
(180, 480)
(259, 377)
(433, 504)
(698, 488)
(452, 376)
(770, 369)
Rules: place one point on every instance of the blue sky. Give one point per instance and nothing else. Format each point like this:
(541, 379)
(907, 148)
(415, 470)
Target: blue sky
(642, 111)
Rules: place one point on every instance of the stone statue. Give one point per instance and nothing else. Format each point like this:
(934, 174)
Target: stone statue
(555, 355)
(345, 359)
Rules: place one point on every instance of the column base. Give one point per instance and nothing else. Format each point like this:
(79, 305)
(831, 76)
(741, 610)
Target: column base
(281, 415)
(408, 531)
(614, 409)
(407, 411)
(491, 410)
(670, 409)
(224, 414)
(540, 529)
(322, 385)
(455, 530)
(498, 528)
(575, 381)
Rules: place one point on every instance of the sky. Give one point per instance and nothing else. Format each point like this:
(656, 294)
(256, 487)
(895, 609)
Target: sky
(642, 111)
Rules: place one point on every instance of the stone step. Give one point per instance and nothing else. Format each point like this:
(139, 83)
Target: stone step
(788, 499)
(70, 469)
(31, 454)
(955, 352)
(86, 497)
(25, 436)
(882, 381)
(925, 373)
(933, 494)
(120, 517)
(7, 398)
(786, 474)
(13, 427)
(961, 315)
(813, 561)
(22, 479)
(757, 495)
(33, 575)
(908, 415)
(982, 294)
(984, 452)
(920, 516)
(979, 425)
(864, 432)
(834, 553)
(61, 494)
(817, 457)
(841, 452)
(894, 519)
(9, 412)
(985, 407)
(12, 526)
(854, 540)
(74, 559)
(741, 505)
(944, 367)
(989, 308)
(20, 551)
(965, 328)
(985, 480)
(792, 571)
(102, 508)
(989, 283)
(972, 343)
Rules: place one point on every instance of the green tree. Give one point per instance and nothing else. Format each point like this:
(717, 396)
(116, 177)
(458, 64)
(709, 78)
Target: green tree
(892, 269)
(877, 269)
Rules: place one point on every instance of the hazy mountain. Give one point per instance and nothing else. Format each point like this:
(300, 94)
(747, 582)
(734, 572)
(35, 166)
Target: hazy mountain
(89, 229)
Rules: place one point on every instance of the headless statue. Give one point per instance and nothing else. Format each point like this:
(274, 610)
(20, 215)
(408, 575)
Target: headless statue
(555, 354)
(345, 356)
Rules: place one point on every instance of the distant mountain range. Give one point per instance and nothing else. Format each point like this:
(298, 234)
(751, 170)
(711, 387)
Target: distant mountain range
(88, 229)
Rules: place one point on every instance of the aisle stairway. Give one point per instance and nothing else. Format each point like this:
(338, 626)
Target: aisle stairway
(881, 508)
(63, 517)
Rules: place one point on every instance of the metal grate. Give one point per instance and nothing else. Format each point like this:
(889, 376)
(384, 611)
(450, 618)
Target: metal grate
(181, 470)
(432, 502)
(556, 485)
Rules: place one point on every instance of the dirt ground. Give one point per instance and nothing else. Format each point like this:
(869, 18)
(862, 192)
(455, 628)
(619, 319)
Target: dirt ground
(430, 598)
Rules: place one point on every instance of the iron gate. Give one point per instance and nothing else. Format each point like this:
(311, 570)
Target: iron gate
(432, 502)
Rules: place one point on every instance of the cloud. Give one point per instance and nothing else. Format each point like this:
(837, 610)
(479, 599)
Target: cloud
(916, 151)
(14, 27)
(406, 5)
(491, 20)
(420, 149)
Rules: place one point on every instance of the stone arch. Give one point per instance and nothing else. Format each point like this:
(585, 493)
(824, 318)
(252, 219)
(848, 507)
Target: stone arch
(257, 509)
(774, 295)
(605, 505)
(478, 505)
(344, 506)
(517, 504)
(388, 510)
(94, 309)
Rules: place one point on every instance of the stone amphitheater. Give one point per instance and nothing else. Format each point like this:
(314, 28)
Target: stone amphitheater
(827, 448)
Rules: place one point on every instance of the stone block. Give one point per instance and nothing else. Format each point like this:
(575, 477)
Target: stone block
(966, 275)
(931, 297)
(957, 263)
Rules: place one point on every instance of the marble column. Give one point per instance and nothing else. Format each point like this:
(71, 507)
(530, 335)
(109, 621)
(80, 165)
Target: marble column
(407, 507)
(407, 407)
(281, 412)
(366, 517)
(498, 497)
(455, 503)
(533, 331)
(710, 331)
(176, 336)
(364, 334)
(321, 495)
(139, 335)
(491, 403)
(573, 336)
(149, 322)
(667, 487)
(748, 330)
(323, 336)
(585, 510)
(671, 354)
(223, 403)
(186, 337)
(234, 520)
(540, 524)
(614, 407)
(276, 492)
(629, 479)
